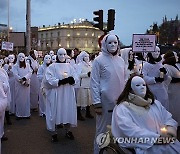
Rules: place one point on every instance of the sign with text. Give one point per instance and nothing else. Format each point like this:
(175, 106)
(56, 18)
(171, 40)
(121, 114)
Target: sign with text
(7, 46)
(143, 43)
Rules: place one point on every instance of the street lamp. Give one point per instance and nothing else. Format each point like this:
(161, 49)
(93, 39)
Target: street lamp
(8, 21)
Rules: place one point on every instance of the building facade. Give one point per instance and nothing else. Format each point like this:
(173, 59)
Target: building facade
(80, 35)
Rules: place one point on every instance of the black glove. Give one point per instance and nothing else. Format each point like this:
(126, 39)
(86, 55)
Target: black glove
(71, 80)
(175, 80)
(163, 70)
(158, 79)
(63, 81)
(24, 79)
(89, 73)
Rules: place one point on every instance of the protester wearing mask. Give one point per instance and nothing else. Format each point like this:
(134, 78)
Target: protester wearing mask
(22, 73)
(170, 61)
(40, 75)
(53, 58)
(155, 74)
(51, 53)
(83, 94)
(107, 81)
(34, 82)
(138, 115)
(60, 96)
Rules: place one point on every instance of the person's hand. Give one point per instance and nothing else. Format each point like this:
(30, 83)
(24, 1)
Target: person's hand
(163, 70)
(89, 73)
(71, 80)
(63, 81)
(24, 79)
(158, 79)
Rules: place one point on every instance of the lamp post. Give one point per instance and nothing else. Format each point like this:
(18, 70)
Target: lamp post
(28, 26)
(8, 21)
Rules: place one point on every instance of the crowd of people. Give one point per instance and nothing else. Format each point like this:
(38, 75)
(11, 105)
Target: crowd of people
(136, 93)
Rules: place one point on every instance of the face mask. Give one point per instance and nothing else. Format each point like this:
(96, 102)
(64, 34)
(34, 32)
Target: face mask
(61, 54)
(51, 53)
(156, 53)
(138, 86)
(86, 59)
(112, 43)
(11, 58)
(36, 54)
(21, 57)
(72, 53)
(1, 62)
(47, 59)
(54, 59)
(176, 57)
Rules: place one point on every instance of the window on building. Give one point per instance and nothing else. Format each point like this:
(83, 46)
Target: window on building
(58, 33)
(86, 34)
(68, 44)
(41, 35)
(92, 34)
(78, 34)
(46, 35)
(51, 34)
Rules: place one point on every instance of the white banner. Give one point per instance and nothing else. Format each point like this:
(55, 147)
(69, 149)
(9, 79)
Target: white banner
(7, 46)
(143, 43)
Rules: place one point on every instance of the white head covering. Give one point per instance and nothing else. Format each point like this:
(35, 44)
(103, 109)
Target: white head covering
(104, 44)
(82, 55)
(61, 53)
(53, 58)
(47, 59)
(19, 56)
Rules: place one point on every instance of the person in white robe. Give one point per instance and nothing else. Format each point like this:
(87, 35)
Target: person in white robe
(107, 81)
(5, 99)
(141, 123)
(53, 58)
(40, 74)
(83, 95)
(155, 74)
(51, 53)
(131, 63)
(170, 61)
(60, 96)
(22, 73)
(8, 68)
(34, 82)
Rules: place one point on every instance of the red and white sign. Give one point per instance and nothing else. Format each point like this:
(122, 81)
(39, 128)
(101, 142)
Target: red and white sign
(143, 43)
(7, 46)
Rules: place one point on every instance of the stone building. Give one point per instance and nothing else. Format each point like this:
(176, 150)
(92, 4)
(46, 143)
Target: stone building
(81, 35)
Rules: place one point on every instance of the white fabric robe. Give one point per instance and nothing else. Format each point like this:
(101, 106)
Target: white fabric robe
(83, 94)
(60, 100)
(34, 83)
(5, 98)
(129, 120)
(12, 87)
(174, 93)
(42, 103)
(22, 93)
(159, 90)
(107, 83)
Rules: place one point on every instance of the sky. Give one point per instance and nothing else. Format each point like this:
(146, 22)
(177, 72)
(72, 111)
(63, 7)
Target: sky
(131, 17)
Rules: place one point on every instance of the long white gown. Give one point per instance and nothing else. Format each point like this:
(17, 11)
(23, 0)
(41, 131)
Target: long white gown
(34, 83)
(159, 90)
(129, 120)
(174, 93)
(22, 93)
(60, 100)
(83, 95)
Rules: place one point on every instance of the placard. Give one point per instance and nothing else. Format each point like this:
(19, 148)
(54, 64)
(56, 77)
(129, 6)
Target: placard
(7, 46)
(143, 42)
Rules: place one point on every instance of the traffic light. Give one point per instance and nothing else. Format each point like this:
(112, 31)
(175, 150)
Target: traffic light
(98, 19)
(111, 18)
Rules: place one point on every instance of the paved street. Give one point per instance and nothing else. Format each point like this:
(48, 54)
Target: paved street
(29, 136)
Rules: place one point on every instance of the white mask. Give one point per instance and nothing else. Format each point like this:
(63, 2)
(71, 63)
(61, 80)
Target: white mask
(156, 53)
(51, 53)
(36, 54)
(176, 57)
(11, 58)
(72, 53)
(112, 43)
(86, 58)
(47, 59)
(61, 53)
(54, 59)
(1, 62)
(138, 86)
(21, 57)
